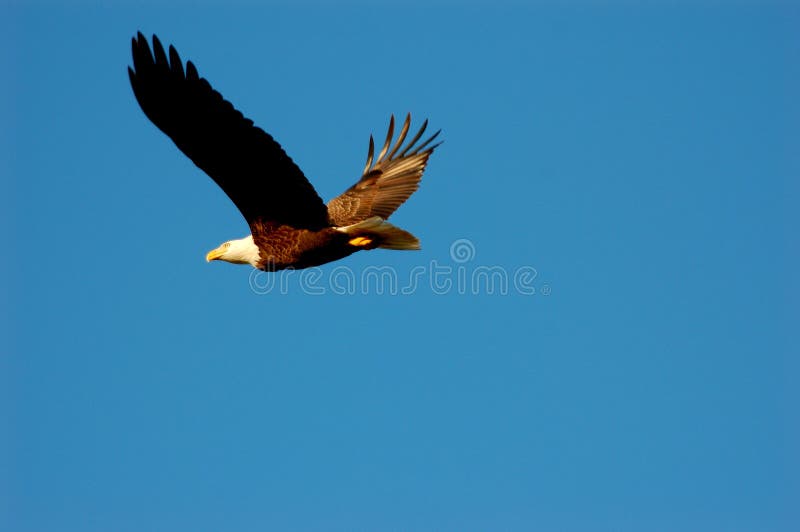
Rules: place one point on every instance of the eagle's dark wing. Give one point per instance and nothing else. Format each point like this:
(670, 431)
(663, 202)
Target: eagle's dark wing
(241, 158)
(386, 183)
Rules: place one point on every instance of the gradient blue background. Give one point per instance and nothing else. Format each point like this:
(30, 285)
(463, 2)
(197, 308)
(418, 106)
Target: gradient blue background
(644, 159)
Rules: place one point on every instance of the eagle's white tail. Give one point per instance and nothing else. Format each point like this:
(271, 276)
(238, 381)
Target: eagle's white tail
(377, 232)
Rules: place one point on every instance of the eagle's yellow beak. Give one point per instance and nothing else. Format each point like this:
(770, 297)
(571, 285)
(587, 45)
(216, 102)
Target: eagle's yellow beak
(215, 254)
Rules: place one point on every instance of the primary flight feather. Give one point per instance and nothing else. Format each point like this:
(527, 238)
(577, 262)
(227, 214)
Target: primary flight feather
(290, 225)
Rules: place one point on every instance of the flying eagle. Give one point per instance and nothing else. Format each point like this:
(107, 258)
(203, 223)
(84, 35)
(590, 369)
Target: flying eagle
(290, 225)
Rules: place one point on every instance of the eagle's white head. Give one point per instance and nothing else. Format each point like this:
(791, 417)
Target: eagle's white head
(242, 251)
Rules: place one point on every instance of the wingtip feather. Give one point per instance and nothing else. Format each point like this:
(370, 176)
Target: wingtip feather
(370, 154)
(389, 135)
(191, 71)
(401, 137)
(175, 63)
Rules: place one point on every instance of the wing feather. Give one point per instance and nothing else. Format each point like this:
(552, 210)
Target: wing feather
(389, 181)
(244, 160)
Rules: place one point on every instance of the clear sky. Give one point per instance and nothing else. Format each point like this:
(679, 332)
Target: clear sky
(638, 164)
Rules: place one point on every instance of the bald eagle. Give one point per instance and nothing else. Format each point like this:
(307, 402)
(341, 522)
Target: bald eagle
(290, 226)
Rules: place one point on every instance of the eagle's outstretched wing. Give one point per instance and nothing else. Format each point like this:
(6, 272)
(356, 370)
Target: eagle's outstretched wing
(386, 183)
(246, 162)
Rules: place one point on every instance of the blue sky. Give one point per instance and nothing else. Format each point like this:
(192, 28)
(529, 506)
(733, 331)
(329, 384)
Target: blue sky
(643, 160)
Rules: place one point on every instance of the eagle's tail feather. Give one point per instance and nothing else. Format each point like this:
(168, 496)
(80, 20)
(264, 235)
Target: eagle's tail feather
(375, 232)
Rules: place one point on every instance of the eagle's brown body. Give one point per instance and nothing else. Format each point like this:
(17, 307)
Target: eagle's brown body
(290, 225)
(286, 247)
